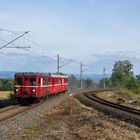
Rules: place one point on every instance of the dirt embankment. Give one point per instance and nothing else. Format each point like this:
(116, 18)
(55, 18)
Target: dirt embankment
(73, 121)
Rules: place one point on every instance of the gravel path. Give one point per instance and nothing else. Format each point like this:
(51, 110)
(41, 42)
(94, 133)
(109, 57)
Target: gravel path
(13, 126)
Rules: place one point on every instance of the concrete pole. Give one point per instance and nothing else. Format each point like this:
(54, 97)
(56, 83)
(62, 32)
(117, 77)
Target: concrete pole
(58, 64)
(104, 77)
(81, 74)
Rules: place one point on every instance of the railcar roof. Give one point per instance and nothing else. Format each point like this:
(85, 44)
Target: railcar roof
(32, 74)
(37, 74)
(64, 76)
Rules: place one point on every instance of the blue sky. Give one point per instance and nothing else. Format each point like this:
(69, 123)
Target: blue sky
(93, 31)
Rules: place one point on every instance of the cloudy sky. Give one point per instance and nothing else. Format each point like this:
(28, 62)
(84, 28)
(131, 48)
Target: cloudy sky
(98, 32)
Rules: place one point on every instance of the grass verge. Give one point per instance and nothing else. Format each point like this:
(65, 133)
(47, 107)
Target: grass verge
(5, 95)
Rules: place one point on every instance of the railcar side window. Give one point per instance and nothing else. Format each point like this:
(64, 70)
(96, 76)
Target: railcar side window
(19, 81)
(32, 81)
(45, 81)
(49, 80)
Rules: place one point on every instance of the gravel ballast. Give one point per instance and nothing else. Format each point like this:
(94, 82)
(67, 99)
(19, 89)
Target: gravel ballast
(14, 126)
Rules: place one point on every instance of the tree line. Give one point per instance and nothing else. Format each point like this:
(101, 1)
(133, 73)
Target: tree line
(75, 82)
(122, 77)
(6, 84)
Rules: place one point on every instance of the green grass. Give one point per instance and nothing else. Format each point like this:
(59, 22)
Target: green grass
(33, 129)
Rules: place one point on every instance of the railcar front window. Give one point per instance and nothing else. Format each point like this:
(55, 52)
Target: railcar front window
(26, 79)
(32, 81)
(19, 81)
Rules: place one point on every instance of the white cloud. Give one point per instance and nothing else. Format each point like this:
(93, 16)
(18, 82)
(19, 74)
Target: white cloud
(108, 60)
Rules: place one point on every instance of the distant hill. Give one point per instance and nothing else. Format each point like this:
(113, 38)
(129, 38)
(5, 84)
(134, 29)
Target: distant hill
(95, 77)
(7, 74)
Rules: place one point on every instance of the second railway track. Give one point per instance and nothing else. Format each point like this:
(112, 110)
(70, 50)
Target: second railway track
(11, 111)
(112, 109)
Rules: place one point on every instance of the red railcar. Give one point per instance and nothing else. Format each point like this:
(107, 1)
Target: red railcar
(38, 85)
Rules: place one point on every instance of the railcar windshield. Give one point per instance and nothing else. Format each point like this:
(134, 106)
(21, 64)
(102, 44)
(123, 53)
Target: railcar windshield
(32, 81)
(18, 81)
(26, 79)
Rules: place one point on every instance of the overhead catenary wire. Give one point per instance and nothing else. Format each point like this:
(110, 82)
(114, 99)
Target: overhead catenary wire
(17, 46)
(18, 34)
(13, 32)
(14, 45)
(14, 40)
(52, 56)
(32, 41)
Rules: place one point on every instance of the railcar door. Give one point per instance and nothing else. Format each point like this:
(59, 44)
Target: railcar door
(46, 86)
(26, 87)
(63, 82)
(40, 84)
(33, 86)
(53, 85)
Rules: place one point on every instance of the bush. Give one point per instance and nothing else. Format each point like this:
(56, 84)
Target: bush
(11, 95)
(120, 101)
(6, 84)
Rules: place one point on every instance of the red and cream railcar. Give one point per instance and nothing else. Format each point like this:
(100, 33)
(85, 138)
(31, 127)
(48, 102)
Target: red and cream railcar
(38, 85)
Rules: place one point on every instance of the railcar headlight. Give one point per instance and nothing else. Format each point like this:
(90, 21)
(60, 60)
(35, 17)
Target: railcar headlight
(16, 89)
(33, 90)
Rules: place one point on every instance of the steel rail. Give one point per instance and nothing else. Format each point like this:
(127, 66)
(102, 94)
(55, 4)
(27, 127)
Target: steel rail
(8, 108)
(124, 113)
(93, 96)
(24, 109)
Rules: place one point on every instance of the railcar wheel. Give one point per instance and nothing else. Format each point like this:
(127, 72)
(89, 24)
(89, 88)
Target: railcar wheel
(22, 101)
(19, 100)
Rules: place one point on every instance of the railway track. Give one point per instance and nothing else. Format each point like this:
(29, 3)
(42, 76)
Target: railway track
(12, 111)
(9, 102)
(7, 108)
(112, 109)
